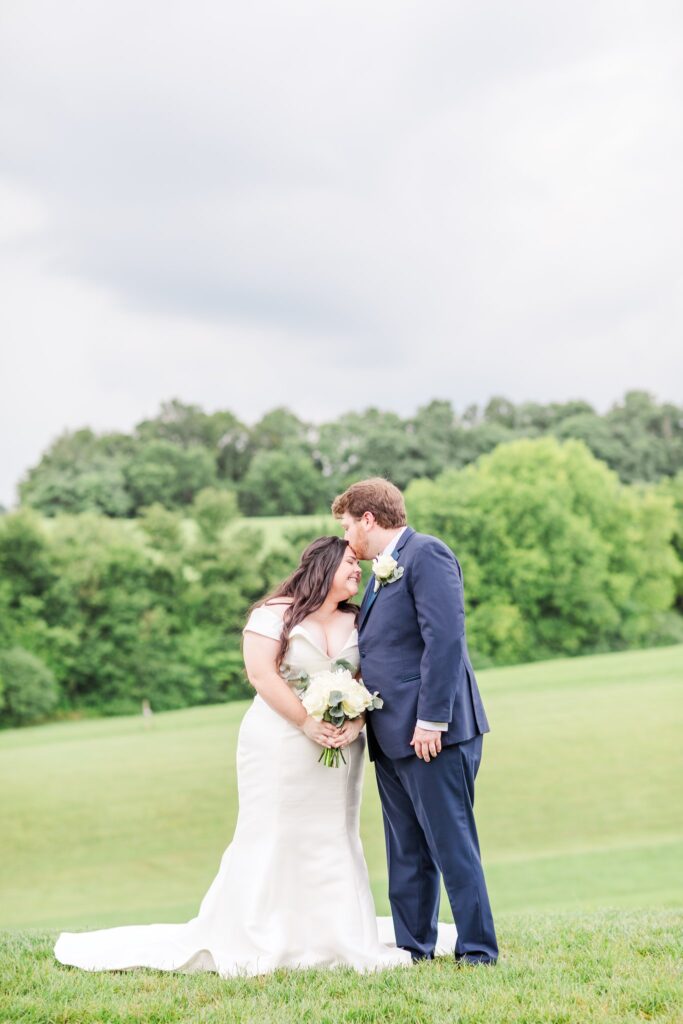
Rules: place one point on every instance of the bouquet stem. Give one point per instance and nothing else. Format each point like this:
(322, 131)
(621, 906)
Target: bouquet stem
(330, 757)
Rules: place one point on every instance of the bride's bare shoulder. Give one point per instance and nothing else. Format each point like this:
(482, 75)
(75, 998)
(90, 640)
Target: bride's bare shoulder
(277, 605)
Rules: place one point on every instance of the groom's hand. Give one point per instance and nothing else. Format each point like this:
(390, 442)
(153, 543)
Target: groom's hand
(427, 742)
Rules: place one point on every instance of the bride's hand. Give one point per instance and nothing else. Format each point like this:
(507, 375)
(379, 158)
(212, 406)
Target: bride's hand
(323, 733)
(349, 732)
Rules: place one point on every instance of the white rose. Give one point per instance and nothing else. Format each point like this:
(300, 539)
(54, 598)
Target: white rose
(315, 699)
(384, 566)
(357, 700)
(354, 702)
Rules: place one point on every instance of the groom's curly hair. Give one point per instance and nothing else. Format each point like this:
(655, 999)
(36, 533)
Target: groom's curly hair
(375, 495)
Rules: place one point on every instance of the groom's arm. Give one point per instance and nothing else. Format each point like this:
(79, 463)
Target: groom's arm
(439, 604)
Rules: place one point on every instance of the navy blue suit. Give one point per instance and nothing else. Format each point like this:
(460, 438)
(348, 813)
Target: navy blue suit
(414, 652)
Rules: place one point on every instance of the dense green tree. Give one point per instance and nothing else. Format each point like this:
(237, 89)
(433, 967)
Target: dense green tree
(163, 472)
(533, 418)
(221, 433)
(672, 489)
(163, 526)
(639, 438)
(183, 449)
(224, 577)
(596, 433)
(28, 688)
(559, 557)
(372, 443)
(80, 472)
(471, 442)
(213, 509)
(502, 411)
(651, 436)
(281, 483)
(25, 561)
(156, 610)
(280, 430)
(434, 428)
(30, 585)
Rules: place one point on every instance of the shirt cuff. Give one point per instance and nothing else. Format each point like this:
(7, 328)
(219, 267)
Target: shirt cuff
(439, 726)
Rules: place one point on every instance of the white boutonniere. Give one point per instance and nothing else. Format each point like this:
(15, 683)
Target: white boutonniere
(385, 569)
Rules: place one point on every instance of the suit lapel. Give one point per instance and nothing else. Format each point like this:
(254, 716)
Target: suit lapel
(403, 540)
(370, 595)
(369, 598)
(366, 601)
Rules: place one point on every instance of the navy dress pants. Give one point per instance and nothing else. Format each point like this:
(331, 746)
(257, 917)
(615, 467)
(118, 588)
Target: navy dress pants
(429, 828)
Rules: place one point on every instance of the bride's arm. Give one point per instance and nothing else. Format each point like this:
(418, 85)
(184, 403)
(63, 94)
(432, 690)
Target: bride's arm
(259, 660)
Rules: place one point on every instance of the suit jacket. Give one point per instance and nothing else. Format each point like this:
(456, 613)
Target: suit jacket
(414, 652)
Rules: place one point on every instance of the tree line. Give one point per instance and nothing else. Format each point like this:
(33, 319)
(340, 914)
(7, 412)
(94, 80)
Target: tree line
(283, 465)
(560, 557)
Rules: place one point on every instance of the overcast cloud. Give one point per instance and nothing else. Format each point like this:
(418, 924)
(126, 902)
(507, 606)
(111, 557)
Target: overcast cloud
(330, 205)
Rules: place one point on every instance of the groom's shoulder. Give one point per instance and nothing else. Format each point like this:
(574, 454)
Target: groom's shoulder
(425, 542)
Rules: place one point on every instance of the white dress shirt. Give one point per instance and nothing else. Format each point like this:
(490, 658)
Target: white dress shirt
(438, 726)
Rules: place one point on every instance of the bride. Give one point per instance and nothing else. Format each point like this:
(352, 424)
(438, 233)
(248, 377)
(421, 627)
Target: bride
(292, 889)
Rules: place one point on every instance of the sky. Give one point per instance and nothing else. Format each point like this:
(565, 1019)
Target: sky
(331, 205)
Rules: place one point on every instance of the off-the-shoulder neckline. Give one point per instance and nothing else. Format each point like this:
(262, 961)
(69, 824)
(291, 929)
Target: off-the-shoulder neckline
(269, 609)
(300, 626)
(330, 657)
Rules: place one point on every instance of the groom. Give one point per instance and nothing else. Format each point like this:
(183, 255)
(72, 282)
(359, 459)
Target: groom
(426, 741)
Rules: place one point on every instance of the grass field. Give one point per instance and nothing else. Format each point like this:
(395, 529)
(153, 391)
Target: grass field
(273, 528)
(579, 803)
(556, 969)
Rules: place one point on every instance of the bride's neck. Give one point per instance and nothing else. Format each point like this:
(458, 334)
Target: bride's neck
(327, 609)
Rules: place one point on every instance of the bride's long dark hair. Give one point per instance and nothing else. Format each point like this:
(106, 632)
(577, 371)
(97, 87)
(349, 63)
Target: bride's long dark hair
(309, 585)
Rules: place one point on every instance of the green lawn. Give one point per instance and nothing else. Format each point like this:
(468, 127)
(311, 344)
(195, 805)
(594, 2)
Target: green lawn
(273, 528)
(579, 799)
(613, 966)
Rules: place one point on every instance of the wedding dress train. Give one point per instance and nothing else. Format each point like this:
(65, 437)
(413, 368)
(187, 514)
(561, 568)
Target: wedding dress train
(292, 889)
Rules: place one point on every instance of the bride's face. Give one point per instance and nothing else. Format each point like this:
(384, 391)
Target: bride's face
(346, 580)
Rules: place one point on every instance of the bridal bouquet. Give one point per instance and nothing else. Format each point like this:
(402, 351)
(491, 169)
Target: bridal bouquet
(335, 696)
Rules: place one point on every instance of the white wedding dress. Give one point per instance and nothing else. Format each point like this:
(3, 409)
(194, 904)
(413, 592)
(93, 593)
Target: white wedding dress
(292, 889)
